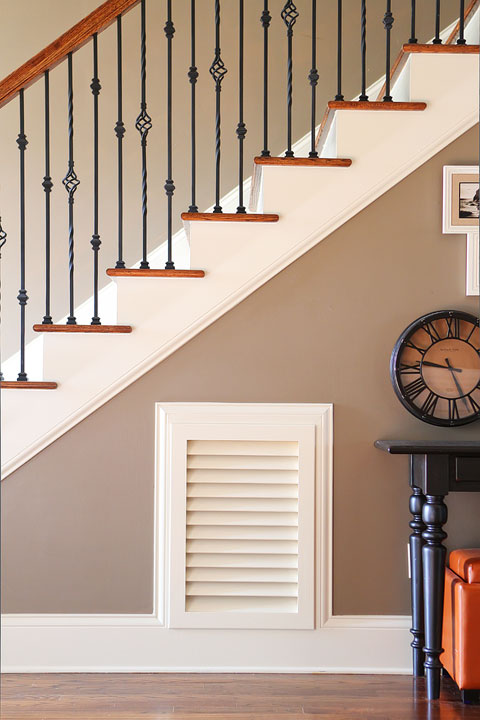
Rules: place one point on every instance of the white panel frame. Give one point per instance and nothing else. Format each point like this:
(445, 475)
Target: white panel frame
(313, 426)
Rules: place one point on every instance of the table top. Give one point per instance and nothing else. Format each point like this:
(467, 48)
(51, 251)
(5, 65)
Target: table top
(430, 447)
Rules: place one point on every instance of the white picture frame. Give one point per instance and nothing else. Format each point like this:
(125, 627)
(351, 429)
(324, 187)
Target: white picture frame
(458, 179)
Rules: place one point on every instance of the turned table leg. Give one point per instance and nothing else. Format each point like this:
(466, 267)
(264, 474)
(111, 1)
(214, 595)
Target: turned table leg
(434, 516)
(417, 501)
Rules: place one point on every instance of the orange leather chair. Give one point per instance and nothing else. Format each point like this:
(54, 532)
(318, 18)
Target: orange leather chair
(461, 622)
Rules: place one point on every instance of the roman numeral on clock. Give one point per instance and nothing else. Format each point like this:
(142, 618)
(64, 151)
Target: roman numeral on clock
(407, 369)
(410, 344)
(453, 327)
(473, 403)
(415, 388)
(431, 332)
(430, 404)
(453, 413)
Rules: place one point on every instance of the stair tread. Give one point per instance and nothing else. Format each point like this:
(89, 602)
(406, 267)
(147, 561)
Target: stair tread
(441, 48)
(100, 329)
(303, 161)
(27, 385)
(375, 105)
(154, 273)
(230, 217)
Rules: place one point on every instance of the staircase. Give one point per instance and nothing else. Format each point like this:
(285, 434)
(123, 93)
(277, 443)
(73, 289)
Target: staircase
(362, 148)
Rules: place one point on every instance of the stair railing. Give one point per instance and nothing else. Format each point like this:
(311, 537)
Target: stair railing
(281, 17)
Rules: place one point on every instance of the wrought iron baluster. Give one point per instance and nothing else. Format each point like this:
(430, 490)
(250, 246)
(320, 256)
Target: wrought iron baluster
(388, 21)
(22, 297)
(3, 240)
(437, 39)
(265, 19)
(95, 241)
(339, 95)
(120, 133)
(241, 127)
(144, 124)
(461, 24)
(47, 185)
(413, 18)
(289, 16)
(313, 78)
(364, 97)
(169, 186)
(71, 183)
(193, 77)
(218, 72)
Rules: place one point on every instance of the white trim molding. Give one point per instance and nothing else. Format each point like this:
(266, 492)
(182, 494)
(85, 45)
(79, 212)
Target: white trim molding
(138, 643)
(371, 622)
(473, 264)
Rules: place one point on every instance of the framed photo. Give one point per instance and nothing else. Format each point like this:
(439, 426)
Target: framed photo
(460, 199)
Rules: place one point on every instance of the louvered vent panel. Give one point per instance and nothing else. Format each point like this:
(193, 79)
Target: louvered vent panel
(242, 526)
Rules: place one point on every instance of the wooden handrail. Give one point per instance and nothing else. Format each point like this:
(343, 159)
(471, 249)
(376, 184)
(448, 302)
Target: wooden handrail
(70, 41)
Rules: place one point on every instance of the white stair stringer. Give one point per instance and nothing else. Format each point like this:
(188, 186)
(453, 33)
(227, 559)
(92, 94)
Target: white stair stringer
(385, 146)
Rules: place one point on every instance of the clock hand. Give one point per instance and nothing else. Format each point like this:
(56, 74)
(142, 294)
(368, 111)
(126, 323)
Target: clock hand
(445, 367)
(458, 386)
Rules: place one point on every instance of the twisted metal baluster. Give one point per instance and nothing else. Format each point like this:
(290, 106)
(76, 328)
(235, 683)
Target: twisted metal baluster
(437, 40)
(71, 183)
(95, 241)
(120, 133)
(47, 185)
(413, 39)
(339, 96)
(461, 24)
(388, 21)
(265, 19)
(364, 97)
(241, 127)
(218, 72)
(289, 16)
(193, 77)
(22, 297)
(169, 186)
(144, 124)
(3, 240)
(313, 78)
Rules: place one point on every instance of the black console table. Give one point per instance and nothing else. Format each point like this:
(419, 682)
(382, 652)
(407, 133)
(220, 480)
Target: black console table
(436, 468)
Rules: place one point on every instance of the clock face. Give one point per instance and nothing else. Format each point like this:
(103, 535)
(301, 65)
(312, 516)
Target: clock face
(435, 368)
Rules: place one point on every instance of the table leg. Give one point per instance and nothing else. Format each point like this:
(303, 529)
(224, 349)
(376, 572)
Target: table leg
(417, 501)
(434, 516)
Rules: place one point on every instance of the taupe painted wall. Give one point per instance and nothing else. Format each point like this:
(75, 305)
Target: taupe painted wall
(41, 22)
(77, 519)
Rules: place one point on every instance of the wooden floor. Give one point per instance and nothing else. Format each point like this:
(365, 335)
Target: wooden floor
(225, 697)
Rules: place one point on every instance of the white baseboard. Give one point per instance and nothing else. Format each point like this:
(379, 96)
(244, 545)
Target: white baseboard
(369, 621)
(139, 643)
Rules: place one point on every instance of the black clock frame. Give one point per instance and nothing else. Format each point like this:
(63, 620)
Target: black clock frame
(395, 370)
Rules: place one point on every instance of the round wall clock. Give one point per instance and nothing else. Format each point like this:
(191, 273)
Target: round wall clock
(435, 368)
